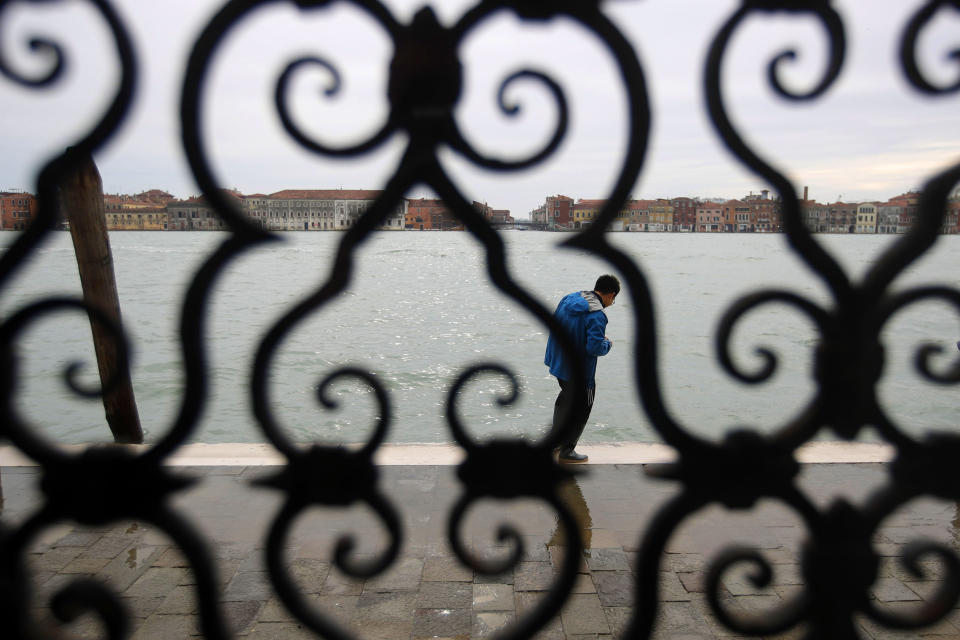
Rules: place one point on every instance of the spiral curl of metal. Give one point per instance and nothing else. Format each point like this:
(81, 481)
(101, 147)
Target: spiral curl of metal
(534, 474)
(40, 46)
(82, 595)
(335, 476)
(926, 353)
(937, 605)
(22, 319)
(746, 304)
(783, 618)
(281, 96)
(798, 235)
(461, 145)
(549, 605)
(908, 48)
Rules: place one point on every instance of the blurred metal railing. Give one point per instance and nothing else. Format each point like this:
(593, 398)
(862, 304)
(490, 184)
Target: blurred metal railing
(839, 564)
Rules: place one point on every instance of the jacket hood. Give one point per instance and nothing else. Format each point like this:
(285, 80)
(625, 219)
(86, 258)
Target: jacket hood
(580, 302)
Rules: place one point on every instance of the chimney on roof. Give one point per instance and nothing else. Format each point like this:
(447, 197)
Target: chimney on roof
(805, 194)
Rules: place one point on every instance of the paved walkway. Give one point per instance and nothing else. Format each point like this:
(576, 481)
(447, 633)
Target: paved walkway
(427, 593)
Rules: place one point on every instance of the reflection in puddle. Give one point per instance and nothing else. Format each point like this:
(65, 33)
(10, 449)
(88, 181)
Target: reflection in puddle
(132, 558)
(572, 496)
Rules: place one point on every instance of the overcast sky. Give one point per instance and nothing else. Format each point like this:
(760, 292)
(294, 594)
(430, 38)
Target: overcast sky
(868, 138)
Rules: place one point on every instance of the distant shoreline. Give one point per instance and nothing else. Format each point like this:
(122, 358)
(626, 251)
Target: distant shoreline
(682, 233)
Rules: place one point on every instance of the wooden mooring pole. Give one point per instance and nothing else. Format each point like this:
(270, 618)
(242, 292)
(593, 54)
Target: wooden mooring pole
(81, 199)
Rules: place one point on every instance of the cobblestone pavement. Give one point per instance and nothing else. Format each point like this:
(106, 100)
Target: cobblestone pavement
(427, 593)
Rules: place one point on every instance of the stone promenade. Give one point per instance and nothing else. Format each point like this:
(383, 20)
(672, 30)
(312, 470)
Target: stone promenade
(427, 593)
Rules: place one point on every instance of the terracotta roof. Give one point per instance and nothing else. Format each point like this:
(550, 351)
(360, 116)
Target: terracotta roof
(326, 194)
(154, 193)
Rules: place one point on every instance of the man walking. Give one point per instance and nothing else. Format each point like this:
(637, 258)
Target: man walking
(582, 316)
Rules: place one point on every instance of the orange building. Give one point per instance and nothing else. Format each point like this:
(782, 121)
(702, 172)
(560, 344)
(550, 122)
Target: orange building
(17, 209)
(710, 217)
(766, 214)
(737, 216)
(426, 214)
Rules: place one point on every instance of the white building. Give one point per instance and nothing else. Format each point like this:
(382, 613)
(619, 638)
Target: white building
(318, 209)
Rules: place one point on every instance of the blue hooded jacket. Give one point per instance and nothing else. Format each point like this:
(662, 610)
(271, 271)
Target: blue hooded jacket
(581, 314)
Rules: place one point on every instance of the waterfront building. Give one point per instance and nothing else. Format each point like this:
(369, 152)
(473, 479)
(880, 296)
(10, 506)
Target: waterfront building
(737, 217)
(766, 213)
(814, 216)
(909, 203)
(867, 217)
(430, 214)
(317, 209)
(842, 217)
(558, 212)
(624, 218)
(639, 215)
(144, 211)
(483, 209)
(584, 212)
(661, 215)
(491, 215)
(17, 209)
(196, 213)
(538, 216)
(710, 217)
(684, 214)
(951, 218)
(555, 213)
(888, 216)
(139, 219)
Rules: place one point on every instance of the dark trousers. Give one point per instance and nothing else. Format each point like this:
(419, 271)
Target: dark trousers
(580, 404)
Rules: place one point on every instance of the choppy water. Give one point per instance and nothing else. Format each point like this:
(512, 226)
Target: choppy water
(421, 308)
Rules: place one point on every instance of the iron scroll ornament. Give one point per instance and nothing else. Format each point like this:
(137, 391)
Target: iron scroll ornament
(839, 563)
(424, 87)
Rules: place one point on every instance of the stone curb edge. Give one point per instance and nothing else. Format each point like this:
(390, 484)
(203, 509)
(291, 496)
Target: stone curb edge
(258, 454)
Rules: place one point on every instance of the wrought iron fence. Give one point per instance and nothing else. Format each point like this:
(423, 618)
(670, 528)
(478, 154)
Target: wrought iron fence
(839, 564)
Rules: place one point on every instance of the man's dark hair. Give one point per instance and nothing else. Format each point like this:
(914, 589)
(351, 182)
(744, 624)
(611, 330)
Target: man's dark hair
(607, 284)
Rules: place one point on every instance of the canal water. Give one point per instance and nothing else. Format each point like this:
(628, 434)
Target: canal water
(420, 309)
